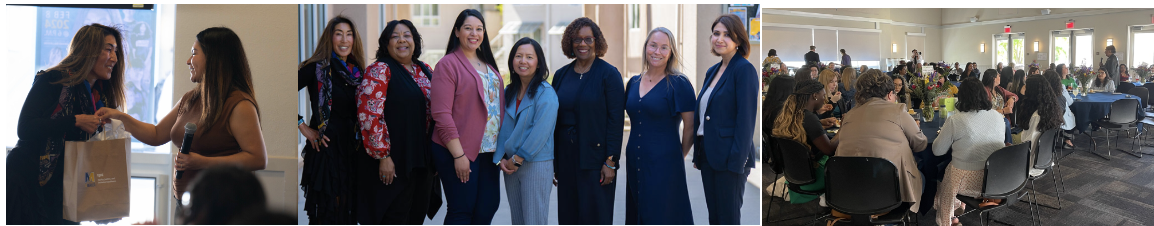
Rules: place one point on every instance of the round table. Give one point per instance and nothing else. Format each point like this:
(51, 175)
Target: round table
(1092, 107)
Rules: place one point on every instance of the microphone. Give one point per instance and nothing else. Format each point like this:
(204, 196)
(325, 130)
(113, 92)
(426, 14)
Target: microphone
(189, 131)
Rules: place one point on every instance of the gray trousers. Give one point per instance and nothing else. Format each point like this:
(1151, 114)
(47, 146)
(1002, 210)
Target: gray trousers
(528, 191)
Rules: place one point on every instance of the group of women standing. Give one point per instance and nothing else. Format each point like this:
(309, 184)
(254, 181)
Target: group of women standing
(380, 137)
(72, 100)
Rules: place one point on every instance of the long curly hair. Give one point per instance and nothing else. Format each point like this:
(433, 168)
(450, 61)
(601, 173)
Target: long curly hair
(789, 122)
(1039, 97)
(1055, 82)
(972, 96)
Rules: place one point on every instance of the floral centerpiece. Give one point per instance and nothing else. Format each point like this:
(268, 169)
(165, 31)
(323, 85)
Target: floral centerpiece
(1083, 75)
(1143, 71)
(928, 90)
(945, 68)
(768, 72)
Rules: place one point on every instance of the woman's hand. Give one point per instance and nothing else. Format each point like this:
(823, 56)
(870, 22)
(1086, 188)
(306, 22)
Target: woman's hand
(88, 123)
(504, 165)
(387, 170)
(314, 137)
(607, 175)
(462, 166)
(107, 114)
(513, 167)
(824, 108)
(836, 97)
(190, 161)
(828, 122)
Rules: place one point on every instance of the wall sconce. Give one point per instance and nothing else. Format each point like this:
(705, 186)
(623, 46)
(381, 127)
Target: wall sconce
(982, 47)
(1109, 42)
(1035, 46)
(894, 48)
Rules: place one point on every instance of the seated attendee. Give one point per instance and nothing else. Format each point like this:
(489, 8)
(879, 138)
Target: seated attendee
(1042, 110)
(1103, 83)
(973, 133)
(1002, 99)
(833, 98)
(846, 86)
(1064, 96)
(1123, 72)
(1016, 84)
(882, 129)
(900, 92)
(220, 193)
(797, 122)
(1064, 73)
(779, 90)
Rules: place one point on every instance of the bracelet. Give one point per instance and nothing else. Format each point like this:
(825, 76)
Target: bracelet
(300, 121)
(462, 155)
(610, 167)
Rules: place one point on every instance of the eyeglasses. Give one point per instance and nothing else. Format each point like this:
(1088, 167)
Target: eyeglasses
(589, 40)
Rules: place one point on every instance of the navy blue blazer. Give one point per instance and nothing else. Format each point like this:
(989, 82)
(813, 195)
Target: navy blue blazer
(730, 117)
(600, 115)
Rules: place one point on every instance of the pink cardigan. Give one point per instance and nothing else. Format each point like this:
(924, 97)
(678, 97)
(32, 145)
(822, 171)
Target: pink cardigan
(456, 103)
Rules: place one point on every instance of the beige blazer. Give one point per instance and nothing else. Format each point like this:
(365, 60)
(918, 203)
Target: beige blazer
(883, 129)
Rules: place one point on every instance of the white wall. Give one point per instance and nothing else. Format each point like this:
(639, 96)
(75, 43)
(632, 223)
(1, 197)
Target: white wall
(963, 42)
(269, 35)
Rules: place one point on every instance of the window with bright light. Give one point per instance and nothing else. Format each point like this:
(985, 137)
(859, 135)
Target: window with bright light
(1001, 50)
(1143, 49)
(1084, 50)
(427, 15)
(1019, 51)
(1061, 51)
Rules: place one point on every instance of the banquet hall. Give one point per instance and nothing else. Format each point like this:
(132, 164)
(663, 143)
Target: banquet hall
(1068, 145)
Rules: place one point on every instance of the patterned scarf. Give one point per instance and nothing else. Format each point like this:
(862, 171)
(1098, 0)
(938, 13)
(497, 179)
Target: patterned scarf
(73, 100)
(351, 74)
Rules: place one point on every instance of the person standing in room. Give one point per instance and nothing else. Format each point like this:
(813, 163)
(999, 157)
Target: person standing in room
(974, 133)
(590, 126)
(525, 143)
(811, 57)
(882, 129)
(466, 107)
(61, 106)
(1111, 64)
(915, 57)
(331, 77)
(725, 117)
(845, 59)
(658, 101)
(222, 105)
(394, 177)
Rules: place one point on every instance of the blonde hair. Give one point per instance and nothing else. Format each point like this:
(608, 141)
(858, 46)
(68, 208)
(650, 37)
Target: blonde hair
(848, 77)
(85, 49)
(825, 77)
(673, 65)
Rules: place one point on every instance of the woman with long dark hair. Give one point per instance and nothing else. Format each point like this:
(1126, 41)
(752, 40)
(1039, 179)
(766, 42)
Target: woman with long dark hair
(61, 106)
(1064, 96)
(590, 124)
(1102, 83)
(1002, 99)
(525, 144)
(1041, 110)
(726, 111)
(394, 176)
(973, 134)
(466, 106)
(658, 101)
(331, 77)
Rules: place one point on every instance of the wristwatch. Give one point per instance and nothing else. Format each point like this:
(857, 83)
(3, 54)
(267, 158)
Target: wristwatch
(515, 163)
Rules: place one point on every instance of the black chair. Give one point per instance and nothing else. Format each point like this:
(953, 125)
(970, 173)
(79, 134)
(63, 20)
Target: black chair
(797, 166)
(865, 186)
(1148, 86)
(1124, 115)
(1142, 93)
(1044, 159)
(1124, 87)
(773, 164)
(1005, 178)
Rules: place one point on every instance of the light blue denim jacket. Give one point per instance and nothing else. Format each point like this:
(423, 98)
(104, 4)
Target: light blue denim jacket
(528, 132)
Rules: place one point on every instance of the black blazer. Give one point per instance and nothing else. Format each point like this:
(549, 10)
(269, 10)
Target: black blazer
(600, 115)
(812, 57)
(730, 117)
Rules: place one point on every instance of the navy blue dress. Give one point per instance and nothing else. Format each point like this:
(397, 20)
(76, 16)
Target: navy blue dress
(657, 191)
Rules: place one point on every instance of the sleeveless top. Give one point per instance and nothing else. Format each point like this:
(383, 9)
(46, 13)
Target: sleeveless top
(213, 142)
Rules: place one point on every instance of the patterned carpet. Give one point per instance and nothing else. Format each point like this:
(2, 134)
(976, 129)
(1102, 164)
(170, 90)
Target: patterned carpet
(1119, 191)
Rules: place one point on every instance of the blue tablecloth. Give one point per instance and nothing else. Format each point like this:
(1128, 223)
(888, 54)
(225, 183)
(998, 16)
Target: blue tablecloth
(932, 167)
(1092, 107)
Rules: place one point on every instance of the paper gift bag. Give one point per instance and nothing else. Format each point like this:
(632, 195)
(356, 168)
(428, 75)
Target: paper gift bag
(96, 176)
